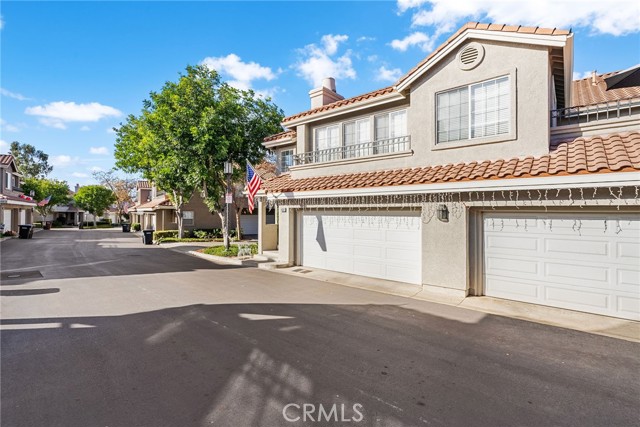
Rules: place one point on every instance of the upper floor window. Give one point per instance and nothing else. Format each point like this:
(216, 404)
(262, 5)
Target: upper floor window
(327, 137)
(7, 181)
(475, 111)
(286, 160)
(391, 125)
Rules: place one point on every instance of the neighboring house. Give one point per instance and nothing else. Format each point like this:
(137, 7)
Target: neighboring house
(154, 210)
(485, 170)
(15, 208)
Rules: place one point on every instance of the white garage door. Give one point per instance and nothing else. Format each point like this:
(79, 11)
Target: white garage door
(23, 216)
(585, 262)
(7, 219)
(384, 246)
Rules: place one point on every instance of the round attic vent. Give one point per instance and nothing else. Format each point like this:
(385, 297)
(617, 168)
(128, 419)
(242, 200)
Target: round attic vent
(470, 56)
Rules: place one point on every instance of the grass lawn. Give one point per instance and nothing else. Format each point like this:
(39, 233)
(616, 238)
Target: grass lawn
(232, 252)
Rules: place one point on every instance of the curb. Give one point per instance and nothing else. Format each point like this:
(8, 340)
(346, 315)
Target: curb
(223, 260)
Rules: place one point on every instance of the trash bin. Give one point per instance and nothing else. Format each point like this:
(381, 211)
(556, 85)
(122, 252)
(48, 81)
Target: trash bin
(147, 237)
(26, 231)
(126, 228)
(47, 225)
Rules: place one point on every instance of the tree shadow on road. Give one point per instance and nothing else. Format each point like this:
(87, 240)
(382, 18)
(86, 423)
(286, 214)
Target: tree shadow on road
(241, 364)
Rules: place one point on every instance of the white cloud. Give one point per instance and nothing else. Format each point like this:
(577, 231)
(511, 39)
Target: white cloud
(103, 151)
(365, 39)
(388, 75)
(242, 73)
(80, 175)
(317, 62)
(14, 95)
(63, 160)
(1, 23)
(417, 38)
(615, 17)
(96, 169)
(579, 76)
(85, 128)
(4, 146)
(372, 58)
(110, 130)
(8, 127)
(56, 114)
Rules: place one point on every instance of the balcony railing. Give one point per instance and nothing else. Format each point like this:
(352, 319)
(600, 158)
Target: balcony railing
(592, 113)
(353, 151)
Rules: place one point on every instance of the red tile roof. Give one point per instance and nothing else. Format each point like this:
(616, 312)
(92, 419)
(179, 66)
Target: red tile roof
(342, 103)
(5, 159)
(281, 135)
(609, 153)
(585, 92)
(158, 201)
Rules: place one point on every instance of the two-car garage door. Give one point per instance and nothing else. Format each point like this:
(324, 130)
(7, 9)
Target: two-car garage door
(381, 245)
(585, 262)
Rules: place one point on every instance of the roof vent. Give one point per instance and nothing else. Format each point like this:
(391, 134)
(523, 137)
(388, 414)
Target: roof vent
(470, 56)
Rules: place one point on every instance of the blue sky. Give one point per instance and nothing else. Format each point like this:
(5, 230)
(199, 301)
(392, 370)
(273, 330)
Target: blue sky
(70, 71)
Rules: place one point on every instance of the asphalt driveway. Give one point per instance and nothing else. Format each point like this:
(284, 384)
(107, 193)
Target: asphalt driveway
(100, 330)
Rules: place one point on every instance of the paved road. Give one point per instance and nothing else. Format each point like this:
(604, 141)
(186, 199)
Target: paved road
(99, 330)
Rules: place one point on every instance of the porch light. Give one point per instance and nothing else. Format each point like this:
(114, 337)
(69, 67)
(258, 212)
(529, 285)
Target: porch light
(228, 168)
(443, 213)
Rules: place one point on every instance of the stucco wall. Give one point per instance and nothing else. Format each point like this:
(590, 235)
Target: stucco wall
(528, 69)
(445, 253)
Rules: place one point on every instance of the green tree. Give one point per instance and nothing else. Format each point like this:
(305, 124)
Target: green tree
(187, 131)
(43, 188)
(94, 199)
(123, 188)
(31, 163)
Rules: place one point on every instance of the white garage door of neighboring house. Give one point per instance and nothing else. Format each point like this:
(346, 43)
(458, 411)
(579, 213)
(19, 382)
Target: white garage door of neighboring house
(7, 219)
(249, 224)
(383, 246)
(585, 262)
(23, 216)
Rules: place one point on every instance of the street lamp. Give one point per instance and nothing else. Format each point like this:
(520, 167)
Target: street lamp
(228, 171)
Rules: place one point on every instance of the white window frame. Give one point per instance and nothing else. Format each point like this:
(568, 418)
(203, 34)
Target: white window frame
(471, 114)
(286, 155)
(186, 219)
(7, 176)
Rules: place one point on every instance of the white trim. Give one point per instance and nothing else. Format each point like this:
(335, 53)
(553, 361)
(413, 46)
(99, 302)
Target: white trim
(509, 37)
(613, 179)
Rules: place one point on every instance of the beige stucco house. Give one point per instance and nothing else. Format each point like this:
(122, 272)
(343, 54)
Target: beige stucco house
(485, 170)
(15, 209)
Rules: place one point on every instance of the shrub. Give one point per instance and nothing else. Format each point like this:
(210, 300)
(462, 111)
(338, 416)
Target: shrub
(37, 225)
(9, 233)
(233, 250)
(201, 234)
(157, 235)
(136, 226)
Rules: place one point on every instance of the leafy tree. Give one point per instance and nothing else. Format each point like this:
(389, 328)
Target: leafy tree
(31, 163)
(123, 188)
(43, 188)
(187, 131)
(95, 199)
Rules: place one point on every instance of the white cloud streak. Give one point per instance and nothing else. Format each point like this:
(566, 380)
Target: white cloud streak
(62, 161)
(14, 95)
(56, 114)
(4, 146)
(388, 75)
(242, 74)
(418, 38)
(102, 151)
(317, 62)
(614, 17)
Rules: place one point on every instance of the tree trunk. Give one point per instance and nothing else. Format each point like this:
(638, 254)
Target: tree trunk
(225, 231)
(178, 202)
(95, 218)
(238, 228)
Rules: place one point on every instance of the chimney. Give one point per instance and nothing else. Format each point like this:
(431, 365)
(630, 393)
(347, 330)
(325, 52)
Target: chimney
(326, 94)
(593, 78)
(77, 187)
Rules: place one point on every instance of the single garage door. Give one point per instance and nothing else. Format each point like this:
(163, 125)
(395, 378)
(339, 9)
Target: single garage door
(585, 262)
(385, 246)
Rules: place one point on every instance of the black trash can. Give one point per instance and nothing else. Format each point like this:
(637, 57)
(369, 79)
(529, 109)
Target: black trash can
(26, 231)
(147, 237)
(126, 228)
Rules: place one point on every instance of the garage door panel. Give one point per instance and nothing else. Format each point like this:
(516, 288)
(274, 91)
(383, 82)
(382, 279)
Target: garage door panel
(588, 262)
(574, 274)
(577, 298)
(518, 267)
(385, 245)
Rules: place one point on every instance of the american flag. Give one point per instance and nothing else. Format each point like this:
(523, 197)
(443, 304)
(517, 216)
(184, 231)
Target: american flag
(253, 185)
(44, 201)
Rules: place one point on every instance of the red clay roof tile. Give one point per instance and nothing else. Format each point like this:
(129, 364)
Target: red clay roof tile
(608, 153)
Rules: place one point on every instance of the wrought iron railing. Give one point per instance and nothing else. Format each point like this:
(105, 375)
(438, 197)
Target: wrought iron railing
(352, 151)
(592, 113)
